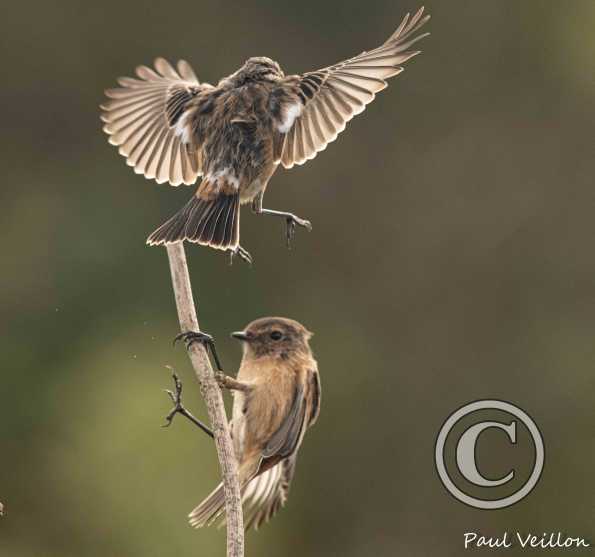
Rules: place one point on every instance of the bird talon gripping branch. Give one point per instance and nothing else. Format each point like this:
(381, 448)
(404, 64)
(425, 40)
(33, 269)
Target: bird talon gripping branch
(234, 135)
(191, 337)
(220, 378)
(194, 336)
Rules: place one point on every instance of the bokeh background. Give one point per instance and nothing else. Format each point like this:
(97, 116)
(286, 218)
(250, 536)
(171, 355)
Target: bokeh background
(452, 259)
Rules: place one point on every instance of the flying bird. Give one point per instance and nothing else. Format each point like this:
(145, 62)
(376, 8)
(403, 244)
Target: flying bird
(276, 399)
(233, 136)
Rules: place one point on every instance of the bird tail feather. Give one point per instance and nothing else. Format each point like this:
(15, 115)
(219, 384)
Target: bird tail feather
(210, 222)
(213, 506)
(209, 509)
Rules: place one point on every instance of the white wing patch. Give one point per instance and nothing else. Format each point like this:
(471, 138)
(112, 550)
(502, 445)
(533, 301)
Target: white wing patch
(137, 117)
(291, 113)
(181, 129)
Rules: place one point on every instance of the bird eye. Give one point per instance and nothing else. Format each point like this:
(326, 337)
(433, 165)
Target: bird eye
(276, 335)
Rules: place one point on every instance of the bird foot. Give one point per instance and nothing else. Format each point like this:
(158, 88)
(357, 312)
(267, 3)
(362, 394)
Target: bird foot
(176, 398)
(220, 378)
(242, 253)
(205, 339)
(291, 221)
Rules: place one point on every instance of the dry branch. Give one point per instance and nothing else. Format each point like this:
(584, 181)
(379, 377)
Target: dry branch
(213, 398)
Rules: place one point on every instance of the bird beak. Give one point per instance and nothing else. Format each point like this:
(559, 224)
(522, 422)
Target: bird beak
(240, 335)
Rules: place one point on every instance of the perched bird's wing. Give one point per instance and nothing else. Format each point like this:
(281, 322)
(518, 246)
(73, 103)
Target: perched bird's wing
(332, 96)
(267, 493)
(145, 117)
(289, 434)
(314, 393)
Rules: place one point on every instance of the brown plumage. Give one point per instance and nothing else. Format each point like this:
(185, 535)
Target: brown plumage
(276, 399)
(172, 128)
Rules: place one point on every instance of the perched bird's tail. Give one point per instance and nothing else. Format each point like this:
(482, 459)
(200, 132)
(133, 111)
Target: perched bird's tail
(213, 507)
(211, 222)
(263, 494)
(209, 509)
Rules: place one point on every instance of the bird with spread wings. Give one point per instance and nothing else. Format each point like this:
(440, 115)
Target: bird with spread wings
(233, 136)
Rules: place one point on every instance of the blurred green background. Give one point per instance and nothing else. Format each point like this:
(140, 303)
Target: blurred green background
(451, 259)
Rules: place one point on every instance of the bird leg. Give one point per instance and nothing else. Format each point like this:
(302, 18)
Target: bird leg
(291, 220)
(176, 398)
(227, 382)
(205, 339)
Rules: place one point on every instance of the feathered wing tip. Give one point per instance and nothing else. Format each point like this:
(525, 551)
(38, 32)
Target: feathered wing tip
(214, 223)
(408, 26)
(143, 117)
(332, 96)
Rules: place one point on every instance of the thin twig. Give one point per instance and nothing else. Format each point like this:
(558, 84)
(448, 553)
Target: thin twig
(179, 408)
(213, 400)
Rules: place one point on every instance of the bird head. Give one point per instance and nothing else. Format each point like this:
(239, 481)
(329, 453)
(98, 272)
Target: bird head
(276, 337)
(259, 68)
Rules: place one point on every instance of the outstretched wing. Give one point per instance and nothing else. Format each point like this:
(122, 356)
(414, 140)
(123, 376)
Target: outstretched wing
(145, 117)
(332, 96)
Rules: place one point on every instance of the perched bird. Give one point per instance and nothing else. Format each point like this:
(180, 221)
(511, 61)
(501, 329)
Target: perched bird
(172, 128)
(276, 399)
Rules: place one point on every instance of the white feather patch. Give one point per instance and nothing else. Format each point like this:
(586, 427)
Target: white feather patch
(181, 129)
(291, 113)
(225, 175)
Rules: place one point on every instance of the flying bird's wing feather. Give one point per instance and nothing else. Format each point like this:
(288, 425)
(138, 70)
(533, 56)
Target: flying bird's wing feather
(145, 117)
(332, 96)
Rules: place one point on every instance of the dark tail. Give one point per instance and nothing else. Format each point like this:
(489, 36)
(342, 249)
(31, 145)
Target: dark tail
(214, 223)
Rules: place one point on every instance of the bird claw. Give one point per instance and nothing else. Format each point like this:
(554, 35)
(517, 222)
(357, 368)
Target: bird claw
(291, 222)
(176, 398)
(191, 337)
(220, 378)
(205, 339)
(242, 253)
